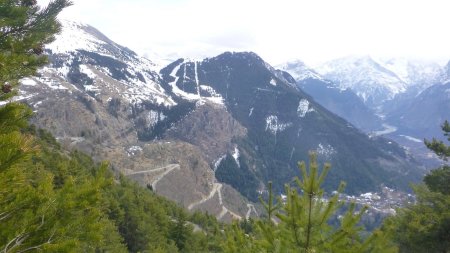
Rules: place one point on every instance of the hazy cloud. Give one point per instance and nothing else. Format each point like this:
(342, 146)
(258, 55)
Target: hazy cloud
(277, 30)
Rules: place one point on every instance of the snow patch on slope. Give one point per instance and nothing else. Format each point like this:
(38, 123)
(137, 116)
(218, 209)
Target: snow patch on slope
(303, 108)
(214, 96)
(217, 163)
(153, 117)
(236, 156)
(274, 125)
(28, 82)
(273, 82)
(133, 150)
(325, 150)
(86, 70)
(178, 91)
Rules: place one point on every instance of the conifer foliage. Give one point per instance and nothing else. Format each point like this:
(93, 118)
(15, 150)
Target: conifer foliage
(424, 226)
(24, 194)
(24, 30)
(52, 200)
(301, 222)
(439, 147)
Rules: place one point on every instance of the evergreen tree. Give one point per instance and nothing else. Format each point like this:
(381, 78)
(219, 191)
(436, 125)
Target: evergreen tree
(425, 225)
(52, 200)
(36, 214)
(302, 222)
(439, 147)
(24, 30)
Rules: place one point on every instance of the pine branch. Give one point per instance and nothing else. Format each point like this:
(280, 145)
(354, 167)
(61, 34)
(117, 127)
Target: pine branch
(310, 195)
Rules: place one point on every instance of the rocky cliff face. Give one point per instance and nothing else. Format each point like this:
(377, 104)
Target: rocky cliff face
(211, 128)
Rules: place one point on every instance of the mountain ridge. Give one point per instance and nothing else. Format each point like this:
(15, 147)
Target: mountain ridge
(116, 107)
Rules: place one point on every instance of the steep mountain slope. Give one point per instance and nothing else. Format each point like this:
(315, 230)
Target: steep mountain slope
(406, 114)
(283, 124)
(81, 50)
(202, 133)
(422, 115)
(102, 98)
(343, 102)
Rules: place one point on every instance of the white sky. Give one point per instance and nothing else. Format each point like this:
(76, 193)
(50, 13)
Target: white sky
(311, 30)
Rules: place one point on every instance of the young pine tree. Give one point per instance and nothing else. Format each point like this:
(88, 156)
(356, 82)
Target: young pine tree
(301, 223)
(425, 225)
(33, 215)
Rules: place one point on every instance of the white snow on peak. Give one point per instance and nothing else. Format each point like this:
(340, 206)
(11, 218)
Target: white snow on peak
(414, 72)
(74, 37)
(304, 108)
(381, 79)
(299, 71)
(77, 36)
(278, 74)
(274, 125)
(364, 76)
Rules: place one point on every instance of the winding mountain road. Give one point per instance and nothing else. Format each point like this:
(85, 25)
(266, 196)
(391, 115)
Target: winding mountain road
(217, 189)
(167, 169)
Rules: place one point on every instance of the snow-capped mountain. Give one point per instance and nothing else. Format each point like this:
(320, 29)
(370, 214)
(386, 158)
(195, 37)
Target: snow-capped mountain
(366, 77)
(422, 115)
(446, 77)
(300, 71)
(282, 124)
(414, 72)
(379, 80)
(208, 133)
(105, 100)
(343, 102)
(80, 53)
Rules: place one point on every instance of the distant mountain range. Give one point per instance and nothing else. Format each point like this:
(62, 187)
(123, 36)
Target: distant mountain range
(406, 100)
(209, 134)
(377, 81)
